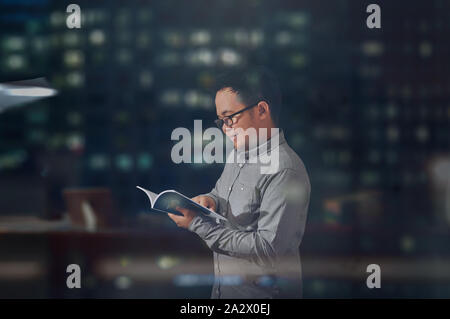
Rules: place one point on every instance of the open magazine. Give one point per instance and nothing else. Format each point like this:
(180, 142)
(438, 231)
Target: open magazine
(167, 201)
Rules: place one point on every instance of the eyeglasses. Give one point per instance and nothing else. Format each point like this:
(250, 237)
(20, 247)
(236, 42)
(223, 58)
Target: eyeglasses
(228, 120)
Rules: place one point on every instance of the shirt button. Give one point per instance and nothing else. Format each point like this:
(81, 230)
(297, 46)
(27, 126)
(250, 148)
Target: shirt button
(229, 188)
(240, 165)
(242, 188)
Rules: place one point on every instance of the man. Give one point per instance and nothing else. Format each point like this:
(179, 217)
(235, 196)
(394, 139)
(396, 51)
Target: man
(256, 251)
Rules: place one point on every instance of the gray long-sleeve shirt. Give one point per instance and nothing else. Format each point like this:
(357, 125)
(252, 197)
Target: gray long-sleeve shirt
(256, 252)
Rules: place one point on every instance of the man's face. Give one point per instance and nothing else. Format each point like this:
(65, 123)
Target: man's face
(227, 103)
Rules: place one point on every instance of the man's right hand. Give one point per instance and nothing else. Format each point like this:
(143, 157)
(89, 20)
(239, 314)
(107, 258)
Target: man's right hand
(205, 201)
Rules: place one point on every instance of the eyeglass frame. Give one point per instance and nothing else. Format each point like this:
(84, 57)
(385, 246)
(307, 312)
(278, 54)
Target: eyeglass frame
(221, 122)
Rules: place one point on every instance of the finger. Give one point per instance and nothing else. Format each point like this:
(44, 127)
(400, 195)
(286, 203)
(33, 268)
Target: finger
(207, 204)
(182, 210)
(176, 219)
(172, 216)
(202, 201)
(197, 199)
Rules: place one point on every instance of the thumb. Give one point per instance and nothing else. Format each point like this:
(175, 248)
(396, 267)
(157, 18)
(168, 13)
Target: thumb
(181, 210)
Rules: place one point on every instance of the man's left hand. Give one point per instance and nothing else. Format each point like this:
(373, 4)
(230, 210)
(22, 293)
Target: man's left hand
(185, 220)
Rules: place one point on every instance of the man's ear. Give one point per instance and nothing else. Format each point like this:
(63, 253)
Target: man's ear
(263, 110)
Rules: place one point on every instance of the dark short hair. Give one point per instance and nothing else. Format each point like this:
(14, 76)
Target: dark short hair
(252, 86)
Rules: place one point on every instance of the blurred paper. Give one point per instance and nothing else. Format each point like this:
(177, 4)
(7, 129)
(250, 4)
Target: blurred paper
(15, 94)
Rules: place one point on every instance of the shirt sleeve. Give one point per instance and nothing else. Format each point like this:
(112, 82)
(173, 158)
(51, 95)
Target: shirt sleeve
(281, 222)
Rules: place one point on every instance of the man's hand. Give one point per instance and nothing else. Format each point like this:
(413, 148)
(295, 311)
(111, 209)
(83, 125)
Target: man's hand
(185, 220)
(188, 215)
(205, 201)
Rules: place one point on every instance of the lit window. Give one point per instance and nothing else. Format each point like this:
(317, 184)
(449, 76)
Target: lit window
(36, 136)
(406, 92)
(74, 58)
(145, 161)
(37, 116)
(74, 118)
(146, 79)
(143, 40)
(407, 244)
(240, 37)
(422, 134)
(124, 162)
(391, 111)
(124, 56)
(15, 62)
(392, 134)
(205, 79)
(57, 18)
(297, 19)
(369, 178)
(75, 142)
(201, 57)
(173, 39)
(298, 60)
(372, 48)
(56, 141)
(171, 97)
(229, 57)
(98, 162)
(144, 16)
(97, 37)
(169, 58)
(122, 117)
(14, 43)
(12, 159)
(283, 38)
(339, 133)
(195, 99)
(200, 37)
(40, 44)
(95, 16)
(123, 18)
(75, 79)
(71, 39)
(370, 71)
(425, 49)
(345, 157)
(256, 38)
